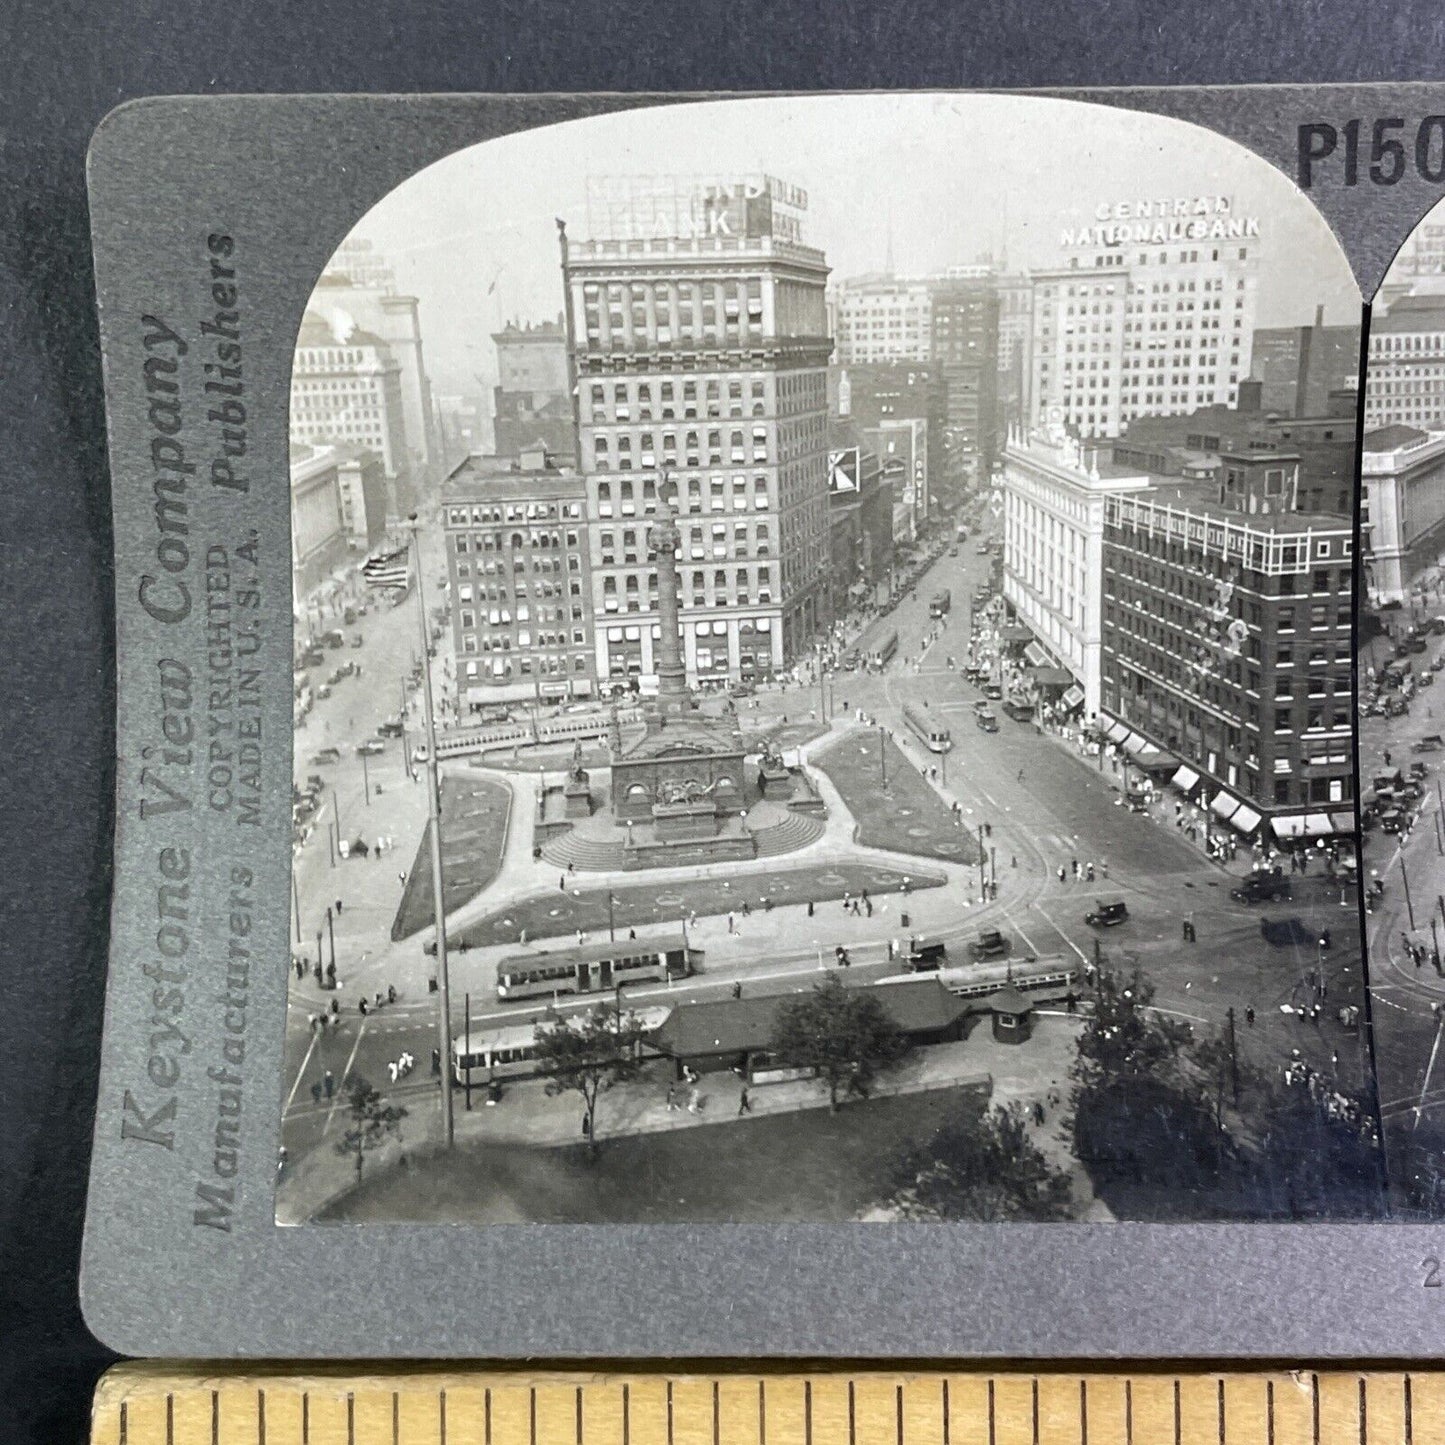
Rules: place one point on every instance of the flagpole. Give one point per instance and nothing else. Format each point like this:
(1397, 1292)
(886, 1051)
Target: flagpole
(434, 822)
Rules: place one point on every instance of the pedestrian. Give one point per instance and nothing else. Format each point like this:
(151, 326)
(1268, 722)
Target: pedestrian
(338, 908)
(730, 923)
(747, 909)
(1063, 873)
(331, 974)
(436, 1063)
(328, 1083)
(1074, 868)
(392, 1069)
(745, 1105)
(391, 993)
(868, 904)
(401, 878)
(1387, 757)
(361, 1007)
(694, 1100)
(737, 990)
(316, 1093)
(335, 1007)
(586, 1126)
(631, 934)
(562, 883)
(300, 968)
(1038, 1113)
(1249, 1016)
(1021, 775)
(311, 1021)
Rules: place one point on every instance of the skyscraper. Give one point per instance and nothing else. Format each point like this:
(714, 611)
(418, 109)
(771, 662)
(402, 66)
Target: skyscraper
(698, 339)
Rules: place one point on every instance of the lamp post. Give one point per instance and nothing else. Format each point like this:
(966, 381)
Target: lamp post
(365, 768)
(611, 923)
(434, 828)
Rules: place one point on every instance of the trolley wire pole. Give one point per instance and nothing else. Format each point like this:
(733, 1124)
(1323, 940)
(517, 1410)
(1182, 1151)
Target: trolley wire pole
(434, 828)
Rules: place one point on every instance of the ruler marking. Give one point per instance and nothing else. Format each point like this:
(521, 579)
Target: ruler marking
(1364, 1414)
(991, 1437)
(626, 1416)
(807, 1412)
(442, 1417)
(170, 1418)
(852, 1416)
(716, 1415)
(1409, 1414)
(124, 1424)
(350, 1418)
(1178, 1416)
(532, 1413)
(900, 1415)
(1128, 1412)
(1083, 1411)
(1035, 1393)
(1315, 1407)
(579, 1415)
(947, 1422)
(763, 1412)
(1221, 1412)
(669, 1416)
(1269, 1411)
(261, 1416)
(306, 1417)
(215, 1417)
(395, 1417)
(487, 1415)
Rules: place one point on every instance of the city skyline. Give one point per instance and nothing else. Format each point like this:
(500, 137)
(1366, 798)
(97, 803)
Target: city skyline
(906, 177)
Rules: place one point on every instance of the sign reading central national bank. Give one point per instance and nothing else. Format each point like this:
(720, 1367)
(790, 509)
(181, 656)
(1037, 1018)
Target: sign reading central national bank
(1177, 218)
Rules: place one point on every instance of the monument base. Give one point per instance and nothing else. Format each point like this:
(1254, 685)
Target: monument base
(690, 822)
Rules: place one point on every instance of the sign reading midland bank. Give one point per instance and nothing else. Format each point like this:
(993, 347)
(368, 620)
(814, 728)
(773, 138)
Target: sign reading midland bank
(1153, 222)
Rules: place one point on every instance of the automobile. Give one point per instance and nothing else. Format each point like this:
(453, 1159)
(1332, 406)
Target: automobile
(1436, 625)
(357, 640)
(1419, 770)
(1107, 913)
(334, 639)
(1416, 644)
(990, 944)
(370, 747)
(313, 657)
(348, 614)
(1019, 709)
(1430, 743)
(742, 689)
(851, 661)
(1261, 887)
(925, 953)
(953, 551)
(336, 675)
(986, 721)
(393, 727)
(303, 810)
(324, 690)
(324, 757)
(982, 548)
(1392, 821)
(993, 692)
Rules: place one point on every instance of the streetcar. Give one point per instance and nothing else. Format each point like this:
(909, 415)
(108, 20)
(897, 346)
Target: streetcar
(594, 967)
(509, 1051)
(881, 653)
(933, 731)
(1044, 978)
(940, 604)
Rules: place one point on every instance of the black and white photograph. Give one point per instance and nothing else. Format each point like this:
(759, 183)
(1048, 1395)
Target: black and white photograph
(1401, 656)
(823, 680)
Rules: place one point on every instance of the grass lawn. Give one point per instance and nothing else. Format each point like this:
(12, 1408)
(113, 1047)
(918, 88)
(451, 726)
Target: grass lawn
(904, 813)
(806, 1166)
(474, 833)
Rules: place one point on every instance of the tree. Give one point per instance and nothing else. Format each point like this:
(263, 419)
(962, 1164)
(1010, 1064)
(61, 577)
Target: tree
(982, 1166)
(372, 1121)
(1124, 1038)
(588, 1054)
(844, 1035)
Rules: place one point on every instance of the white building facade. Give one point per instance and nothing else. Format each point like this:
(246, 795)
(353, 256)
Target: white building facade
(1152, 314)
(883, 318)
(1054, 505)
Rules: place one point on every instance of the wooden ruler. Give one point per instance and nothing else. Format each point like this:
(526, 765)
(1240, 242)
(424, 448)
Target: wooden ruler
(407, 1405)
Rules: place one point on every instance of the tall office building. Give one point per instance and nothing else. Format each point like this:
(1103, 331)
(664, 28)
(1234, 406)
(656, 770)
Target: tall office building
(965, 322)
(698, 323)
(883, 318)
(1299, 367)
(532, 402)
(1406, 376)
(1152, 314)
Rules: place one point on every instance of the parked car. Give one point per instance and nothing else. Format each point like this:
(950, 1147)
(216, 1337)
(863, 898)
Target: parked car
(953, 551)
(926, 953)
(993, 692)
(325, 756)
(990, 944)
(1261, 888)
(313, 657)
(371, 747)
(1107, 914)
(1430, 743)
(986, 721)
(393, 727)
(335, 638)
(1419, 770)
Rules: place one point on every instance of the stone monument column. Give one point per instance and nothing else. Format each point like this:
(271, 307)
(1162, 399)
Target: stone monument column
(664, 537)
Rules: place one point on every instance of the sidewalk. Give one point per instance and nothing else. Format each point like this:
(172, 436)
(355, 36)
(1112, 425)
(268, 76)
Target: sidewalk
(1011, 1073)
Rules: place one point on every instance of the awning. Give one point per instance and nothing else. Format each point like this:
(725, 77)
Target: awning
(1051, 676)
(1185, 778)
(582, 687)
(1115, 731)
(1073, 697)
(1035, 655)
(1135, 743)
(1155, 760)
(1224, 804)
(1304, 825)
(1014, 633)
(1245, 819)
(1343, 822)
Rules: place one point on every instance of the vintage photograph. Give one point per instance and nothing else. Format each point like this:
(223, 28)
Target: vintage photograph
(1401, 655)
(823, 680)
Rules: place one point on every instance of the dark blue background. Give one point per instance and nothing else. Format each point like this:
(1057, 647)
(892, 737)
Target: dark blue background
(65, 65)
